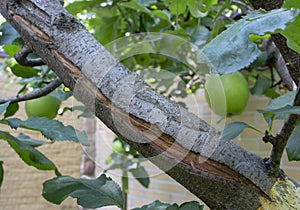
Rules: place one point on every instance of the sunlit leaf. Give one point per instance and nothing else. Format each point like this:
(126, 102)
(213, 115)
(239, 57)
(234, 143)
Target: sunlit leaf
(90, 193)
(24, 71)
(11, 49)
(292, 30)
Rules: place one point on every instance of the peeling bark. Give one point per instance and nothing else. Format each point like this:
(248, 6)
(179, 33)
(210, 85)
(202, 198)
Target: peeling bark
(222, 174)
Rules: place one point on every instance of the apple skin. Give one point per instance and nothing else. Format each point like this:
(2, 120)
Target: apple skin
(117, 146)
(46, 106)
(228, 94)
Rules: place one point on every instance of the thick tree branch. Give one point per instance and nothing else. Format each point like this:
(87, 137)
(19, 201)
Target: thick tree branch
(35, 94)
(178, 142)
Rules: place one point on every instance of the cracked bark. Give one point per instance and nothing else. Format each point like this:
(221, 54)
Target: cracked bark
(222, 174)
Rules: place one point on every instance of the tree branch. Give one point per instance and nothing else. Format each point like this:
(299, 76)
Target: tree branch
(292, 59)
(279, 142)
(35, 94)
(275, 59)
(21, 57)
(180, 143)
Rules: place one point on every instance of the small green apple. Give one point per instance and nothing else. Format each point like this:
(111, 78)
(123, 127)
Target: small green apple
(228, 94)
(46, 106)
(117, 146)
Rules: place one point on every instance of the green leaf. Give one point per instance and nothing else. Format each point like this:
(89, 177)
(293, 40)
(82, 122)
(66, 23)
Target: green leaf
(232, 49)
(177, 7)
(79, 6)
(135, 6)
(24, 71)
(293, 145)
(282, 101)
(32, 142)
(291, 4)
(1, 172)
(191, 205)
(196, 8)
(141, 176)
(3, 107)
(292, 30)
(28, 153)
(146, 3)
(261, 86)
(9, 34)
(11, 49)
(157, 205)
(11, 109)
(282, 113)
(232, 130)
(51, 129)
(90, 193)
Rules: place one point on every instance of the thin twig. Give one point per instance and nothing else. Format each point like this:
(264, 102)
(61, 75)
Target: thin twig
(279, 142)
(22, 57)
(35, 94)
(275, 59)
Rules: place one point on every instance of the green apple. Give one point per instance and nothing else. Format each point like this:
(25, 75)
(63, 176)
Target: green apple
(143, 59)
(46, 106)
(117, 146)
(228, 94)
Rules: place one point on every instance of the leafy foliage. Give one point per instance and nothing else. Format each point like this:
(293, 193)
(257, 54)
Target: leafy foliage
(293, 145)
(90, 193)
(28, 153)
(51, 129)
(127, 159)
(157, 205)
(234, 48)
(293, 41)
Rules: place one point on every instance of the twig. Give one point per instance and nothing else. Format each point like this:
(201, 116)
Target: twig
(21, 57)
(276, 60)
(279, 142)
(35, 94)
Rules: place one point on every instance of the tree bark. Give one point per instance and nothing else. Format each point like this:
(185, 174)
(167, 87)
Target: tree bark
(222, 174)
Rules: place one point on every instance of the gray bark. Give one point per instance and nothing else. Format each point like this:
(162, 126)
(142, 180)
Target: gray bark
(222, 174)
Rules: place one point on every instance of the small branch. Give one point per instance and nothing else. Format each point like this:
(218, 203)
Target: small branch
(21, 57)
(279, 142)
(275, 59)
(35, 94)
